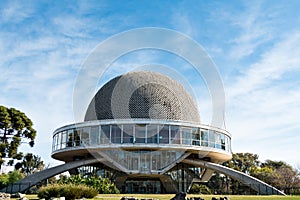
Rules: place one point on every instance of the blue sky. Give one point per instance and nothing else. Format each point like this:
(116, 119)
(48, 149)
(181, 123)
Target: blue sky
(254, 44)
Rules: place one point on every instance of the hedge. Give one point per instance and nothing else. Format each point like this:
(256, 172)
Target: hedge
(69, 191)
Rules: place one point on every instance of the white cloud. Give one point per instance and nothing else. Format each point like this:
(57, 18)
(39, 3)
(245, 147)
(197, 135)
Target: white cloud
(251, 27)
(264, 103)
(39, 62)
(37, 77)
(15, 12)
(281, 59)
(182, 22)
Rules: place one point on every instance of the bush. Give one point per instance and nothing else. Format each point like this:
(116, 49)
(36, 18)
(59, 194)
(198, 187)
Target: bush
(199, 189)
(69, 191)
(3, 180)
(102, 185)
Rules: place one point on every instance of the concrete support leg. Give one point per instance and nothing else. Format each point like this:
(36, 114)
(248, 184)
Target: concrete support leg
(35, 178)
(254, 183)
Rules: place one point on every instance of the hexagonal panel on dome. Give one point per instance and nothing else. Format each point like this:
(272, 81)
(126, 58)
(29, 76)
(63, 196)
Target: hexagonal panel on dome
(143, 95)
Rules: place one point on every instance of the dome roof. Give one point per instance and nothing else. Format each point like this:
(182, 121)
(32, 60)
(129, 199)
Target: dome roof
(143, 94)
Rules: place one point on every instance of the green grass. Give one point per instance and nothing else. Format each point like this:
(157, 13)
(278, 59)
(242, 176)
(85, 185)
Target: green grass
(169, 196)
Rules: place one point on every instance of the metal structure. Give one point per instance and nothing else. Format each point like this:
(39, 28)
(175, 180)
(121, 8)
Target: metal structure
(143, 131)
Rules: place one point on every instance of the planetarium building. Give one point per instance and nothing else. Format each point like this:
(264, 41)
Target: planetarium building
(142, 130)
(141, 126)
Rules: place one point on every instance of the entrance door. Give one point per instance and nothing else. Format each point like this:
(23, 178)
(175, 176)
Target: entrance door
(143, 187)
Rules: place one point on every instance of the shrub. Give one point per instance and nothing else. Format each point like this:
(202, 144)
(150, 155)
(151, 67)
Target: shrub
(69, 191)
(102, 185)
(199, 189)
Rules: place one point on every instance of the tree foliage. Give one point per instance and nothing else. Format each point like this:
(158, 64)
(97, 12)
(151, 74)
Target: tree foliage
(274, 164)
(265, 174)
(15, 127)
(286, 178)
(10, 177)
(219, 184)
(30, 164)
(276, 173)
(244, 162)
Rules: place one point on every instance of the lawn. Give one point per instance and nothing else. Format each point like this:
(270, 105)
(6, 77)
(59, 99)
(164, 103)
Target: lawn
(169, 196)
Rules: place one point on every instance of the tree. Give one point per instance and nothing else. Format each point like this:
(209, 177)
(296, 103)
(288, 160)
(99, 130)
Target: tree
(10, 178)
(287, 178)
(219, 183)
(30, 164)
(276, 173)
(274, 164)
(265, 173)
(244, 162)
(15, 128)
(3, 180)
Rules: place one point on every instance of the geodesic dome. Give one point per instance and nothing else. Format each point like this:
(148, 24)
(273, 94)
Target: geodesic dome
(146, 95)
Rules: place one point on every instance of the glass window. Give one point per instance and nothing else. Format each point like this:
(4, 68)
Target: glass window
(211, 138)
(152, 133)
(195, 137)
(140, 133)
(54, 142)
(70, 138)
(115, 134)
(156, 160)
(122, 158)
(204, 137)
(63, 139)
(145, 157)
(168, 157)
(77, 137)
(94, 135)
(105, 134)
(164, 134)
(127, 133)
(223, 141)
(85, 136)
(218, 140)
(58, 140)
(186, 135)
(128, 158)
(135, 162)
(227, 144)
(175, 135)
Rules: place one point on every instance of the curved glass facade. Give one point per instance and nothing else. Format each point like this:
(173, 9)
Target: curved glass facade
(144, 161)
(95, 135)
